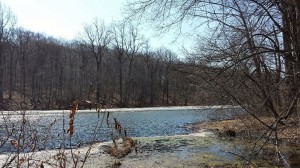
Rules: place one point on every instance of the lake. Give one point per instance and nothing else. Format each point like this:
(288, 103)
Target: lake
(49, 129)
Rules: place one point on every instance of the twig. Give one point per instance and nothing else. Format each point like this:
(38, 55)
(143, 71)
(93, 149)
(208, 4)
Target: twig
(279, 155)
(94, 134)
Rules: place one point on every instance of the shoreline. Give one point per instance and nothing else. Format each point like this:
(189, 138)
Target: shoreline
(140, 109)
(196, 149)
(248, 127)
(98, 155)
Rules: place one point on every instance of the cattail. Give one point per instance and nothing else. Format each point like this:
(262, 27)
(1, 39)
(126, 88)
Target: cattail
(73, 109)
(70, 130)
(14, 143)
(22, 159)
(71, 121)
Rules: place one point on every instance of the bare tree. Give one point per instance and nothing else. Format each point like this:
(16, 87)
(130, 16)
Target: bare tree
(122, 48)
(168, 58)
(152, 63)
(97, 38)
(24, 42)
(127, 42)
(7, 22)
(39, 57)
(135, 43)
(12, 49)
(256, 25)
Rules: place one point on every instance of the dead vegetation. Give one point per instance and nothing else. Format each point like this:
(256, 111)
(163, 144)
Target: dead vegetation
(264, 142)
(122, 148)
(244, 126)
(119, 132)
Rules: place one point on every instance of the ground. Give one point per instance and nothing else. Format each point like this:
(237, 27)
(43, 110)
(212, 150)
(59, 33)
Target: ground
(247, 126)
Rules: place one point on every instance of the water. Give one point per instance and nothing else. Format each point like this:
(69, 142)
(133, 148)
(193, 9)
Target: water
(49, 130)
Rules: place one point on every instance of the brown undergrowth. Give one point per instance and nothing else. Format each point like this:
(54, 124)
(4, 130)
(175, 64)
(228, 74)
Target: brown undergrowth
(278, 144)
(245, 126)
(122, 149)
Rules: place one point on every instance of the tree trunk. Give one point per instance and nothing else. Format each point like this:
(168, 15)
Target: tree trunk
(1, 78)
(288, 56)
(98, 79)
(121, 81)
(10, 75)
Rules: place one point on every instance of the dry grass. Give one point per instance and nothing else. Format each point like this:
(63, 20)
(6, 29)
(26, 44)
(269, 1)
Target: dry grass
(123, 149)
(248, 126)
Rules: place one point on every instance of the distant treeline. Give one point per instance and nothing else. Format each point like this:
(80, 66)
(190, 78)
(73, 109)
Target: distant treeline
(42, 72)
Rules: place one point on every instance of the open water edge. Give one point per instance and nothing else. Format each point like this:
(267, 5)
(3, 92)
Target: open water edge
(50, 130)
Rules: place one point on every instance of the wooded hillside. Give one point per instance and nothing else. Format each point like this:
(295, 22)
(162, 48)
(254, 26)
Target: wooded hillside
(41, 72)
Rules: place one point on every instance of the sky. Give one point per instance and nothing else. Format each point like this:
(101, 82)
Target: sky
(62, 18)
(65, 19)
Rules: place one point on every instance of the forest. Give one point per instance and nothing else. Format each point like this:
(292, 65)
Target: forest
(112, 65)
(250, 57)
(48, 73)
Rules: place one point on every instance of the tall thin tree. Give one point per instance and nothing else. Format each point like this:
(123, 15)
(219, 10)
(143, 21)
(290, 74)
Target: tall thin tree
(7, 22)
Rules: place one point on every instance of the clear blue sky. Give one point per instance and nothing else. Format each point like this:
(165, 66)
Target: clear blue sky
(66, 18)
